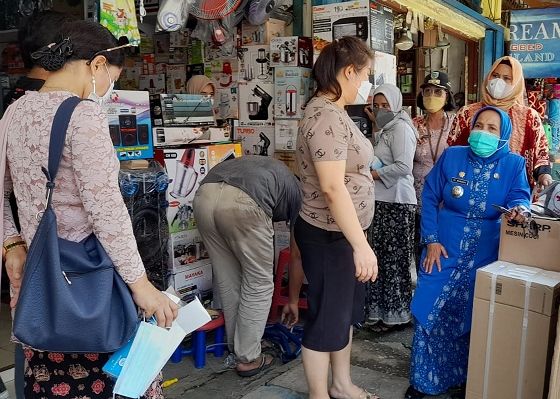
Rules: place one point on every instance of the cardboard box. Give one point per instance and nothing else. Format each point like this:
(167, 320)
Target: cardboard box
(226, 103)
(291, 51)
(180, 110)
(256, 140)
(519, 245)
(176, 79)
(224, 72)
(194, 69)
(256, 104)
(514, 322)
(222, 152)
(186, 168)
(333, 21)
(254, 64)
(262, 34)
(293, 86)
(161, 47)
(155, 84)
(186, 250)
(285, 135)
(128, 113)
(179, 39)
(174, 136)
(289, 159)
(193, 282)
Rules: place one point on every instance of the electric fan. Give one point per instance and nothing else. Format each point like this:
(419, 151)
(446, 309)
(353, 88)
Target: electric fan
(213, 9)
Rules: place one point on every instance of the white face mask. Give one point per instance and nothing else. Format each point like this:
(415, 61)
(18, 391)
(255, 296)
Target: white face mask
(363, 92)
(105, 97)
(498, 88)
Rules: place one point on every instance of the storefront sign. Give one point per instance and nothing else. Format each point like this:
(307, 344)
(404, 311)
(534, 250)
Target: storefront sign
(535, 41)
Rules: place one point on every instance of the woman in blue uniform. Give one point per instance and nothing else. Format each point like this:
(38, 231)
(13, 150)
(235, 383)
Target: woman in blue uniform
(460, 229)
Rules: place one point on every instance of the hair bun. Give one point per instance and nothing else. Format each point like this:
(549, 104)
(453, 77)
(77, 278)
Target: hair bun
(54, 56)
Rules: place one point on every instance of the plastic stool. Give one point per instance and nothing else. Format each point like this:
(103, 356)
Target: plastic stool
(199, 349)
(280, 295)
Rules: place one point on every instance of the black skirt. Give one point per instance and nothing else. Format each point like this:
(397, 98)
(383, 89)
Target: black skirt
(336, 299)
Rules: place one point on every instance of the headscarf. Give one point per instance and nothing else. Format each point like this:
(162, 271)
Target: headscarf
(394, 97)
(518, 82)
(505, 129)
(197, 83)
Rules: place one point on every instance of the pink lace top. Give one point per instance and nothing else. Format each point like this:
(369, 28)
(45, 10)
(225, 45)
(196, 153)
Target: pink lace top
(87, 197)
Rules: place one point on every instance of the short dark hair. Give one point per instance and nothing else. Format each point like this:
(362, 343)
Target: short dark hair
(449, 104)
(505, 62)
(83, 40)
(39, 30)
(338, 55)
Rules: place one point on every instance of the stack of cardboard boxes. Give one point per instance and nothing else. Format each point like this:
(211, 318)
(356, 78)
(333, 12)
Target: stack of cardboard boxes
(515, 314)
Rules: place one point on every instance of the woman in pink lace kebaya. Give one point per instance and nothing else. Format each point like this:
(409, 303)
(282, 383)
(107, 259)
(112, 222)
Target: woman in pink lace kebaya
(85, 63)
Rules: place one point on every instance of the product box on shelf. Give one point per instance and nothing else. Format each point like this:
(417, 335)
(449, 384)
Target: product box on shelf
(174, 136)
(186, 168)
(256, 104)
(196, 51)
(519, 243)
(513, 331)
(180, 110)
(194, 69)
(256, 140)
(179, 39)
(262, 34)
(334, 21)
(224, 72)
(154, 84)
(176, 79)
(128, 113)
(285, 134)
(178, 55)
(193, 282)
(254, 64)
(186, 250)
(289, 159)
(226, 103)
(223, 152)
(292, 88)
(291, 51)
(161, 47)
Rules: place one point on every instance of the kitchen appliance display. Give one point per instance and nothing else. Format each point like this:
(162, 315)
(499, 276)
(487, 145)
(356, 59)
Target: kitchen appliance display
(259, 110)
(291, 51)
(353, 26)
(185, 175)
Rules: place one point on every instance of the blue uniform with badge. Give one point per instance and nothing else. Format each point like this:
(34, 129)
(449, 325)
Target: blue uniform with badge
(458, 213)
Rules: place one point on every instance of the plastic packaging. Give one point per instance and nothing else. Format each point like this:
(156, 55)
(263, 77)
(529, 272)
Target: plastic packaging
(119, 16)
(172, 15)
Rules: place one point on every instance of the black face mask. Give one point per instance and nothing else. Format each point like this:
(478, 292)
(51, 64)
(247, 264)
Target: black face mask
(383, 117)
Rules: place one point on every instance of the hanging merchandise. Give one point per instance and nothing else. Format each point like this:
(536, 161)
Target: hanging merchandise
(172, 15)
(214, 9)
(119, 16)
(257, 12)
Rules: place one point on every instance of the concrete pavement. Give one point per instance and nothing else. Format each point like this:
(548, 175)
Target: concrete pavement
(379, 363)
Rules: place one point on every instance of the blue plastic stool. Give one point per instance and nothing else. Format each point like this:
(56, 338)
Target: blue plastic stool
(199, 349)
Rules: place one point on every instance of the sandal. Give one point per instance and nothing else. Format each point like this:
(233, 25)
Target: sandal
(364, 395)
(262, 367)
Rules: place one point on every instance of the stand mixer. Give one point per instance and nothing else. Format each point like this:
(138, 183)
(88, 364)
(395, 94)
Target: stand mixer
(262, 147)
(260, 113)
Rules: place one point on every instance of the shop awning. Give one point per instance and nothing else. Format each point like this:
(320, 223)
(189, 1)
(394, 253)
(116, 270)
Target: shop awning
(452, 15)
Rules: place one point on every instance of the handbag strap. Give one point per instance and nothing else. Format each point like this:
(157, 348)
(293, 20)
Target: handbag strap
(56, 144)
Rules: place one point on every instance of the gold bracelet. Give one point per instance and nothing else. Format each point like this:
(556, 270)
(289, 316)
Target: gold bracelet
(13, 245)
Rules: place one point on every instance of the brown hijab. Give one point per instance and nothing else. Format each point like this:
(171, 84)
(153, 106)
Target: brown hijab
(516, 96)
(197, 83)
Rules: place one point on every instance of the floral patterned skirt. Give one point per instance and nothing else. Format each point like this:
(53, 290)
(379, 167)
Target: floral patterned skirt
(391, 236)
(72, 376)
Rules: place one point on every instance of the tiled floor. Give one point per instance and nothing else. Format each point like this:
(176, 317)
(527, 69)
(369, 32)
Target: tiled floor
(6, 347)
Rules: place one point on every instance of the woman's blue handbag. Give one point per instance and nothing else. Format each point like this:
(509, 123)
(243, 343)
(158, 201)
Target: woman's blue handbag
(72, 299)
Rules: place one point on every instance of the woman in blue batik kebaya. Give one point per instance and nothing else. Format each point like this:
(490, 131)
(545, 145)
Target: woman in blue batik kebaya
(461, 228)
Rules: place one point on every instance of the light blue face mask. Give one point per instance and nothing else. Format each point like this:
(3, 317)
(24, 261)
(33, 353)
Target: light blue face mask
(484, 144)
(151, 349)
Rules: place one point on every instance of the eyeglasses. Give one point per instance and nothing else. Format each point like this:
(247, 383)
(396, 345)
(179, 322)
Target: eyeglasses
(433, 91)
(123, 43)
